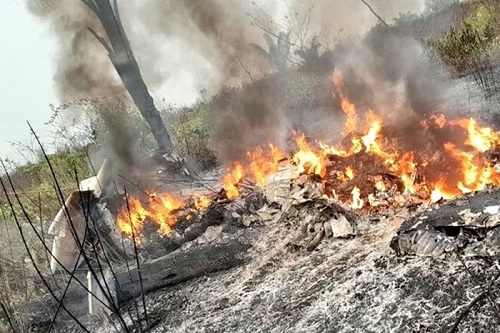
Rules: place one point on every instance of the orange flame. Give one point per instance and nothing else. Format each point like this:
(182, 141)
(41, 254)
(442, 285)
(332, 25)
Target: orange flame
(307, 160)
(201, 202)
(160, 211)
(457, 167)
(130, 219)
(357, 202)
(231, 180)
(351, 122)
(264, 163)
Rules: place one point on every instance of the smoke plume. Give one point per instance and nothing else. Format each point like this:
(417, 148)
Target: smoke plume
(83, 67)
(184, 46)
(383, 69)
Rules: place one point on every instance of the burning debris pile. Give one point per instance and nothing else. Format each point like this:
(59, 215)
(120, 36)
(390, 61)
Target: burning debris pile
(375, 168)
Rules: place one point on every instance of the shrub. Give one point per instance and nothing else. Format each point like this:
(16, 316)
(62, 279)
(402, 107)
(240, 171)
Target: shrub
(191, 131)
(463, 46)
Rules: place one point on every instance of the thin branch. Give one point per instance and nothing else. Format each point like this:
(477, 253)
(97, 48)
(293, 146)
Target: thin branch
(74, 231)
(6, 313)
(476, 300)
(30, 255)
(245, 69)
(375, 13)
(101, 40)
(138, 264)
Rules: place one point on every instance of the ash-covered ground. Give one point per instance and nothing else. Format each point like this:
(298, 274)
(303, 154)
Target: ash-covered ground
(352, 285)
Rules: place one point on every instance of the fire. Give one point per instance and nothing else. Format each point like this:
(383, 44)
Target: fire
(482, 139)
(380, 186)
(357, 202)
(264, 163)
(201, 202)
(367, 162)
(439, 192)
(131, 218)
(351, 122)
(349, 172)
(307, 160)
(231, 180)
(158, 209)
(161, 208)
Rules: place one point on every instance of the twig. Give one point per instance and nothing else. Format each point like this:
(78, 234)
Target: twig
(245, 69)
(6, 313)
(485, 290)
(23, 238)
(375, 13)
(73, 230)
(476, 300)
(138, 265)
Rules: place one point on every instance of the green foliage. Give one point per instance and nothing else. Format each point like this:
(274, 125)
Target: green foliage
(36, 188)
(463, 45)
(191, 132)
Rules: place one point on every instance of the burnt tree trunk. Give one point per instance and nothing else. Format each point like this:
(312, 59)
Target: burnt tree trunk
(123, 59)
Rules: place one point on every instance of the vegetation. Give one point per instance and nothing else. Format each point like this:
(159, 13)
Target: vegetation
(470, 42)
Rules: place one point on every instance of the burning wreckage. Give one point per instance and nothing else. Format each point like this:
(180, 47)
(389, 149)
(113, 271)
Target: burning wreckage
(445, 180)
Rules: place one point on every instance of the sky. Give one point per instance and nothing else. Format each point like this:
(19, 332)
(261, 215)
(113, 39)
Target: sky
(26, 69)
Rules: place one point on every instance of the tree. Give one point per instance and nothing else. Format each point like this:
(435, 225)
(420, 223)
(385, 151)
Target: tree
(123, 59)
(279, 51)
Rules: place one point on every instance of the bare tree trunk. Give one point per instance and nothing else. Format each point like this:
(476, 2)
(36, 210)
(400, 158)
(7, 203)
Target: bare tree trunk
(123, 59)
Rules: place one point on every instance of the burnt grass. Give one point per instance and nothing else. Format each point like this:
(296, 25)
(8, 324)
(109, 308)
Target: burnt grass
(353, 285)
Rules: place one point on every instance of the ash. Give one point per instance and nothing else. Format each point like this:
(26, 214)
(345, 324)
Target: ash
(345, 285)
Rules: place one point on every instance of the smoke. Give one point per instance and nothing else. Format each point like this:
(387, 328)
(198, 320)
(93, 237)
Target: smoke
(83, 67)
(383, 70)
(205, 42)
(391, 73)
(184, 46)
(341, 19)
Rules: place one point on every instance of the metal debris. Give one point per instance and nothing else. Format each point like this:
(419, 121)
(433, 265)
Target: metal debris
(299, 202)
(470, 224)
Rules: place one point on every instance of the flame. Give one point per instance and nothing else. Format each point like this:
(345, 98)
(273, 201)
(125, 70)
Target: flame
(231, 180)
(201, 202)
(349, 172)
(130, 219)
(264, 163)
(351, 122)
(434, 172)
(159, 210)
(480, 138)
(357, 202)
(439, 192)
(380, 186)
(307, 160)
(473, 172)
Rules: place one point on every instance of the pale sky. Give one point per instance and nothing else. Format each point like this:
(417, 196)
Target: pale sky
(26, 69)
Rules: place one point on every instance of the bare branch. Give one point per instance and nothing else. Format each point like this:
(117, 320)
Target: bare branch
(101, 40)
(245, 69)
(375, 13)
(476, 300)
(124, 37)
(91, 4)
